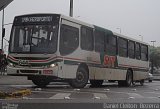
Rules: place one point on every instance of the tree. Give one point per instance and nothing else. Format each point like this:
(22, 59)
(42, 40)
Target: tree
(155, 57)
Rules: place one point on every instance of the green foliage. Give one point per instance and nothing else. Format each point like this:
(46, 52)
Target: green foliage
(155, 56)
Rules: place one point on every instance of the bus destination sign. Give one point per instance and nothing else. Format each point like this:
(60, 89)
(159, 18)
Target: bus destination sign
(37, 19)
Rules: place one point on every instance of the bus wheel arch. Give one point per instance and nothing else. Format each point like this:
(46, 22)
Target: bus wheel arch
(84, 65)
(82, 77)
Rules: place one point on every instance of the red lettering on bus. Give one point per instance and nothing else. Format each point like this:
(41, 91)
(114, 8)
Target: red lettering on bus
(109, 60)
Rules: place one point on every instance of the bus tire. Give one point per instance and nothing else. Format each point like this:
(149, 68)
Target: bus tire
(129, 78)
(96, 83)
(141, 82)
(40, 82)
(81, 79)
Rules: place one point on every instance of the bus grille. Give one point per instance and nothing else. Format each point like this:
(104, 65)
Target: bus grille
(29, 71)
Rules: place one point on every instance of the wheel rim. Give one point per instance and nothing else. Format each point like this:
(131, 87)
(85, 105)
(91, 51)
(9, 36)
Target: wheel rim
(80, 77)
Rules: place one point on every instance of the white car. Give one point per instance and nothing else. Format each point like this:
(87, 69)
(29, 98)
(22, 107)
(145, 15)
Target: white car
(150, 77)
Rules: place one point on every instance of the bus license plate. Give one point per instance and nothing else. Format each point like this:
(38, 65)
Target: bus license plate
(47, 72)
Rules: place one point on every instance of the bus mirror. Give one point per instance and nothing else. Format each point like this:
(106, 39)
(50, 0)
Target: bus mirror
(3, 32)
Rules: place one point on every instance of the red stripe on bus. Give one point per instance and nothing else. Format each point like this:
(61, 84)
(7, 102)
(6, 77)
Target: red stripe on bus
(12, 58)
(51, 58)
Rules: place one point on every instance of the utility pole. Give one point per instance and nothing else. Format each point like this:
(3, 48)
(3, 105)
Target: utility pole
(2, 28)
(71, 8)
(152, 57)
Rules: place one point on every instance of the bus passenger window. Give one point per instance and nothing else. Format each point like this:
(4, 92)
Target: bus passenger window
(138, 52)
(99, 41)
(69, 39)
(131, 49)
(144, 53)
(111, 45)
(122, 47)
(86, 38)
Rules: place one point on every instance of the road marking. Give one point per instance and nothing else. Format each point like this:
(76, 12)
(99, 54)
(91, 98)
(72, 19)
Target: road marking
(101, 95)
(135, 95)
(60, 96)
(153, 93)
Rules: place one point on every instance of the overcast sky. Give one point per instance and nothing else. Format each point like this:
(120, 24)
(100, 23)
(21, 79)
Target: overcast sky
(134, 17)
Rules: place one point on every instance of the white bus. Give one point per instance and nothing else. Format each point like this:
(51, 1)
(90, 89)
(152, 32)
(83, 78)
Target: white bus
(54, 47)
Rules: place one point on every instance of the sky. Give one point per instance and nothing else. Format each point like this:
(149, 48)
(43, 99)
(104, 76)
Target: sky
(139, 19)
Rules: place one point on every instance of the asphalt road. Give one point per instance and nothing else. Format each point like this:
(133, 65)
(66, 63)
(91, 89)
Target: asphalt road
(57, 93)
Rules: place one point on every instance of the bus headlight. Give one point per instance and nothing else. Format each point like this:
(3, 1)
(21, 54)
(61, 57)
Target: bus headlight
(11, 64)
(52, 65)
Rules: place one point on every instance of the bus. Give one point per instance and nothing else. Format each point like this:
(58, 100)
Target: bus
(53, 47)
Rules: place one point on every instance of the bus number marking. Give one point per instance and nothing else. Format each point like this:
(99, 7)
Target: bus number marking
(109, 61)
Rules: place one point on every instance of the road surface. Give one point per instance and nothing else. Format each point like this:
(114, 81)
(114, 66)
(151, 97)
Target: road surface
(57, 93)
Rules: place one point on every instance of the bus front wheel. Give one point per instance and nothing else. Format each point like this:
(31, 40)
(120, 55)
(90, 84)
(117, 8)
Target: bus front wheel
(81, 79)
(40, 82)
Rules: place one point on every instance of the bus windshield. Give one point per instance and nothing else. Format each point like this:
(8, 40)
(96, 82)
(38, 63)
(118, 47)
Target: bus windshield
(34, 39)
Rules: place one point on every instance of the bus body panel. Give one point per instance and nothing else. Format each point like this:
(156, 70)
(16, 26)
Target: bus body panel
(110, 74)
(132, 63)
(101, 65)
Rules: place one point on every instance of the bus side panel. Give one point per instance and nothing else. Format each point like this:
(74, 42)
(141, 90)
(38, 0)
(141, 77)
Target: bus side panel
(139, 75)
(69, 71)
(109, 74)
(91, 72)
(132, 63)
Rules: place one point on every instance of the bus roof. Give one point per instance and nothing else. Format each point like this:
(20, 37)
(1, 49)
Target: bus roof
(120, 35)
(86, 24)
(129, 38)
(77, 21)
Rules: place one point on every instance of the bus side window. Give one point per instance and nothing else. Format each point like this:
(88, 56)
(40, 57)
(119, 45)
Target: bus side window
(138, 52)
(69, 39)
(131, 49)
(144, 53)
(87, 38)
(99, 41)
(122, 47)
(111, 45)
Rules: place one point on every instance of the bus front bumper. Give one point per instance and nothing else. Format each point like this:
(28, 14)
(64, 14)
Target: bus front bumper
(26, 71)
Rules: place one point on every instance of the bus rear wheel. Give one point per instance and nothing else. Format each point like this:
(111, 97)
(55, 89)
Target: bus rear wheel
(128, 81)
(141, 82)
(40, 82)
(81, 79)
(96, 83)
(129, 78)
